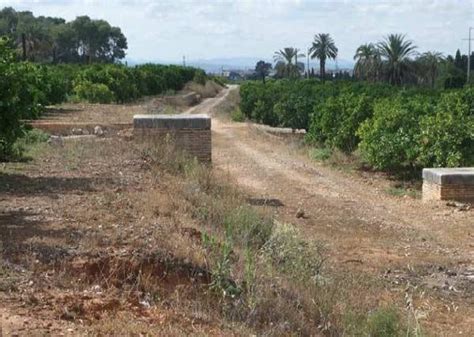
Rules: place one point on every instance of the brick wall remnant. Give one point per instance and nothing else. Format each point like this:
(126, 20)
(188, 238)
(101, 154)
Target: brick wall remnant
(190, 133)
(448, 184)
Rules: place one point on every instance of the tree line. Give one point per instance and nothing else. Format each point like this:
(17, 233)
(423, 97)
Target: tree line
(53, 40)
(394, 60)
(390, 128)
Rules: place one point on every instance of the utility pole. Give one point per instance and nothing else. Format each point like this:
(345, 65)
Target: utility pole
(469, 56)
(184, 61)
(307, 63)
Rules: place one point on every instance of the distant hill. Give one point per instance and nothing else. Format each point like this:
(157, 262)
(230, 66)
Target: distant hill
(216, 65)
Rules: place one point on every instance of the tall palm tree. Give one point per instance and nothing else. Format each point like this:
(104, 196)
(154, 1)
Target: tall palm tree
(323, 48)
(396, 52)
(286, 56)
(430, 62)
(298, 54)
(368, 62)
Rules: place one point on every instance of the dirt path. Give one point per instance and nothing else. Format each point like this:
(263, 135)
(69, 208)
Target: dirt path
(365, 228)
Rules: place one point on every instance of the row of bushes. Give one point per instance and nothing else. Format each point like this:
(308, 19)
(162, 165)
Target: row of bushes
(393, 129)
(104, 83)
(26, 88)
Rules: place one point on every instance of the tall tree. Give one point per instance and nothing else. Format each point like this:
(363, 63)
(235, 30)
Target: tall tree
(262, 69)
(47, 39)
(285, 56)
(368, 62)
(458, 60)
(430, 63)
(299, 65)
(323, 48)
(396, 51)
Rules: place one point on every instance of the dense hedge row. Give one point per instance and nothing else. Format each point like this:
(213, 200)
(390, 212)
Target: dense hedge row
(25, 88)
(11, 104)
(394, 129)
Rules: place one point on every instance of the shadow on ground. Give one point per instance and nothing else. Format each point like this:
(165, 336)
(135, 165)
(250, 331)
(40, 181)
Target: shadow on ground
(19, 227)
(20, 185)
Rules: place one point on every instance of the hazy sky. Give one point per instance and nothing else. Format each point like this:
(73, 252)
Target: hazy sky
(167, 29)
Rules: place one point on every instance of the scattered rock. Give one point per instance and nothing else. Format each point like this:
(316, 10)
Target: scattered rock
(77, 132)
(459, 205)
(98, 131)
(451, 273)
(56, 141)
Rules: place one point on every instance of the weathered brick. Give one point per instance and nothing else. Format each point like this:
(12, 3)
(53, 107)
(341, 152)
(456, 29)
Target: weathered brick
(448, 184)
(189, 133)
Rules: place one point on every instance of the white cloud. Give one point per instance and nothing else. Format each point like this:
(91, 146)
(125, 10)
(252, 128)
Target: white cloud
(167, 29)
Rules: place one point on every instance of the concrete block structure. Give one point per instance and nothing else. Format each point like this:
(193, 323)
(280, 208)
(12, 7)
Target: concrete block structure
(190, 133)
(448, 184)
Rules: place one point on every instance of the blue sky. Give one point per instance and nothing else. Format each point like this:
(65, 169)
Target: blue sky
(200, 29)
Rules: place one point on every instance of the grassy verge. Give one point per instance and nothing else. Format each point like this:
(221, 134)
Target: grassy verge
(265, 275)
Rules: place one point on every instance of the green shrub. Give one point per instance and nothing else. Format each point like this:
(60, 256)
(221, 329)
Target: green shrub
(390, 139)
(320, 154)
(32, 91)
(246, 226)
(28, 140)
(200, 77)
(447, 136)
(237, 115)
(118, 79)
(11, 105)
(292, 255)
(385, 322)
(294, 111)
(339, 118)
(34, 136)
(93, 92)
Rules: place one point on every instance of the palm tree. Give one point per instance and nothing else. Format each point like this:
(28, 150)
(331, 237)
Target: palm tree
(396, 52)
(323, 48)
(286, 56)
(430, 62)
(368, 62)
(298, 54)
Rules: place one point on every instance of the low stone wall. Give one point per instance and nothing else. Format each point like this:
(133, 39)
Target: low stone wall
(448, 184)
(189, 133)
(66, 129)
(288, 133)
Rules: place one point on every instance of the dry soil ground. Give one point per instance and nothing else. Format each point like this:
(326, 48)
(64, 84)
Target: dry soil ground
(74, 211)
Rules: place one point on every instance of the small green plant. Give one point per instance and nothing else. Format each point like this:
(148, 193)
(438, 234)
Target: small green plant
(385, 322)
(320, 154)
(401, 191)
(34, 136)
(293, 256)
(249, 270)
(30, 141)
(246, 227)
(237, 115)
(220, 256)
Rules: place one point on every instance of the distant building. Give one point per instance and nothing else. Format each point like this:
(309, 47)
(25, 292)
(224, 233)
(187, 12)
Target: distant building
(233, 75)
